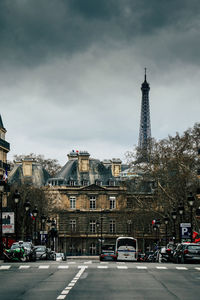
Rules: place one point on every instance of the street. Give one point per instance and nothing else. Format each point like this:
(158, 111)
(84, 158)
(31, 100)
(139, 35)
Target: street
(90, 279)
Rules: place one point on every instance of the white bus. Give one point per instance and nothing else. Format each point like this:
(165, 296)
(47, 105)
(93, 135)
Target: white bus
(126, 248)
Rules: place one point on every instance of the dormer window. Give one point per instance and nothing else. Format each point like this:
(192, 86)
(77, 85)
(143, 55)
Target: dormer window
(98, 182)
(85, 182)
(72, 183)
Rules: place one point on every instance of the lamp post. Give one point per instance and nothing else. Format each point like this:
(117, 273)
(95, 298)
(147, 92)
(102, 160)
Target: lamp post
(166, 220)
(97, 225)
(43, 219)
(174, 216)
(16, 197)
(1, 231)
(181, 211)
(129, 223)
(191, 200)
(53, 231)
(35, 213)
(158, 224)
(27, 206)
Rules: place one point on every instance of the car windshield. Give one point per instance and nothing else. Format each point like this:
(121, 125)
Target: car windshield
(108, 247)
(194, 247)
(15, 246)
(40, 249)
(27, 245)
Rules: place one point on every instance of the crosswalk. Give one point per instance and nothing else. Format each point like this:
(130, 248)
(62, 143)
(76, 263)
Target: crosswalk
(103, 266)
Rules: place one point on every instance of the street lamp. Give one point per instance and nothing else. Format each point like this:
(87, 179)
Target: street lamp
(35, 213)
(166, 221)
(191, 200)
(129, 223)
(181, 211)
(97, 225)
(174, 216)
(1, 231)
(16, 198)
(27, 206)
(53, 231)
(42, 236)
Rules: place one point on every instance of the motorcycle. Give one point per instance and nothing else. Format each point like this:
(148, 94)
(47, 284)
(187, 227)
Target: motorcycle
(17, 254)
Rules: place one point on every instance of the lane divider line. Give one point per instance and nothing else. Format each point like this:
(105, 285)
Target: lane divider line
(122, 267)
(181, 268)
(44, 267)
(141, 267)
(66, 291)
(5, 267)
(24, 267)
(102, 267)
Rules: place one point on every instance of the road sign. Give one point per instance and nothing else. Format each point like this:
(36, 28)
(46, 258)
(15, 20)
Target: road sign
(185, 230)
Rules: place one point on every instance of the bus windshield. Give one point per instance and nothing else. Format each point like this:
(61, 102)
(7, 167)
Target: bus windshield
(126, 242)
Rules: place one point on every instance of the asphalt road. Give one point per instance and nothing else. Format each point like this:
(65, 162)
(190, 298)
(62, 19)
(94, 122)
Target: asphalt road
(90, 279)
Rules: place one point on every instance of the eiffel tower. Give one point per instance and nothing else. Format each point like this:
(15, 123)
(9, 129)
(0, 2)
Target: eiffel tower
(145, 124)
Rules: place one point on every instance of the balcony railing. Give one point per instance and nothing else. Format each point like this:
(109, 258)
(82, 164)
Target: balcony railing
(4, 144)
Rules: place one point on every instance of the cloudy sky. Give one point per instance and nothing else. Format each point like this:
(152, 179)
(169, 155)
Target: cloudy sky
(71, 72)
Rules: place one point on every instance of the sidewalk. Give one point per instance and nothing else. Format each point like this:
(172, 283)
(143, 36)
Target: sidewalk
(83, 257)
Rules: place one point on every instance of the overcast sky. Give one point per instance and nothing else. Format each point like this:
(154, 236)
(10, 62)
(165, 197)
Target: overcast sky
(71, 73)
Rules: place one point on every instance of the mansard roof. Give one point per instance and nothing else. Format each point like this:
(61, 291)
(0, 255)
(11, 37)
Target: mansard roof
(39, 175)
(99, 173)
(1, 123)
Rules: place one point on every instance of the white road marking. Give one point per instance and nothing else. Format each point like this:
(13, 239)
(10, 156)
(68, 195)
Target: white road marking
(71, 262)
(141, 267)
(181, 268)
(44, 267)
(122, 267)
(64, 292)
(161, 268)
(121, 262)
(24, 267)
(61, 297)
(63, 267)
(5, 267)
(197, 269)
(88, 262)
(72, 283)
(102, 267)
(81, 267)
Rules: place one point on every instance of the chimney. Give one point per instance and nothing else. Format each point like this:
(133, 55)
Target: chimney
(116, 167)
(83, 161)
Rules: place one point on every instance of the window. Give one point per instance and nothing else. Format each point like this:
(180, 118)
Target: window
(72, 183)
(112, 202)
(112, 226)
(93, 226)
(73, 225)
(72, 202)
(92, 202)
(92, 249)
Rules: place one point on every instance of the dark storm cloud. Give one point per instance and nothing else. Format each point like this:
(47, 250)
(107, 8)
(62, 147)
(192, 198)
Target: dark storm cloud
(32, 31)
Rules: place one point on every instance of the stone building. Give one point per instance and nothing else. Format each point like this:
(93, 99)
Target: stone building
(4, 166)
(91, 206)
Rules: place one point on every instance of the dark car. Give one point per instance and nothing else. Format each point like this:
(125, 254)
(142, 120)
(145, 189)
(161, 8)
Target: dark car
(108, 253)
(41, 252)
(187, 252)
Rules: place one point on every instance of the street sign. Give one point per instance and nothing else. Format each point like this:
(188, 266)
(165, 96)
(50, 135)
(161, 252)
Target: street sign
(185, 230)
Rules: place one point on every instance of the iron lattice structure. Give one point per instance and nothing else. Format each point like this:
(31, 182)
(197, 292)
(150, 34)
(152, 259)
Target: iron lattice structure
(145, 123)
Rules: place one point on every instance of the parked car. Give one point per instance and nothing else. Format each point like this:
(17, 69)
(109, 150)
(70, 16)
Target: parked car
(108, 252)
(60, 256)
(187, 252)
(41, 252)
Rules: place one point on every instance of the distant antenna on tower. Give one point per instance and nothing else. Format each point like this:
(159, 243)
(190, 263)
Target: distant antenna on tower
(145, 124)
